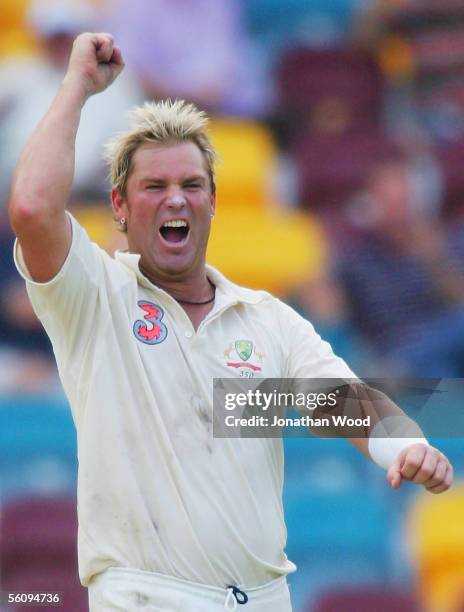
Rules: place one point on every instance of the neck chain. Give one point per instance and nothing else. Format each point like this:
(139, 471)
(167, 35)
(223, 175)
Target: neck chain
(190, 303)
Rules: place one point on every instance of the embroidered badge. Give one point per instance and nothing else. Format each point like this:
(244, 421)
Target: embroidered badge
(154, 331)
(244, 349)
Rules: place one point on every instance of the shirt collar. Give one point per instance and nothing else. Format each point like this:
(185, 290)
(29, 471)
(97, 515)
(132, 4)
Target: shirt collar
(231, 291)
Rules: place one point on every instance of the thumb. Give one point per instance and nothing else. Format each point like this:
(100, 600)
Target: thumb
(394, 474)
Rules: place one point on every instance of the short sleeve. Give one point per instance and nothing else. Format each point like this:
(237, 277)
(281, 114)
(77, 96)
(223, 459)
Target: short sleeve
(308, 355)
(66, 304)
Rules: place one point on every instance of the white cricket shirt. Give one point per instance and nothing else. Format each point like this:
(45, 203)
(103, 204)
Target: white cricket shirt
(156, 491)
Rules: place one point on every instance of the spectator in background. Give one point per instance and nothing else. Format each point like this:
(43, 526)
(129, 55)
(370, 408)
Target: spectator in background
(197, 50)
(405, 279)
(29, 84)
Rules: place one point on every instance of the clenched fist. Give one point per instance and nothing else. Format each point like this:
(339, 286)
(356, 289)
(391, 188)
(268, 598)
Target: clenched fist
(94, 63)
(423, 465)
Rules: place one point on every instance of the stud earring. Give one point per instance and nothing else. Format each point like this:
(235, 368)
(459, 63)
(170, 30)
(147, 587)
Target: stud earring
(122, 221)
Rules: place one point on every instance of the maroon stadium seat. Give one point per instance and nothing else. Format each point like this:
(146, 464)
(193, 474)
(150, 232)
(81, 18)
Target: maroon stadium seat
(331, 168)
(451, 158)
(38, 550)
(307, 78)
(364, 599)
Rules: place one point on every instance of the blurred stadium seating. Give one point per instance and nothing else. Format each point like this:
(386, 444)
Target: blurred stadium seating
(15, 37)
(331, 101)
(336, 109)
(38, 523)
(331, 168)
(279, 25)
(38, 550)
(38, 446)
(250, 221)
(330, 90)
(451, 159)
(436, 536)
(366, 600)
(248, 162)
(336, 521)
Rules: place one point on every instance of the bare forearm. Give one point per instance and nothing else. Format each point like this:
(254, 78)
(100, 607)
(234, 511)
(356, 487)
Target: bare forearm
(392, 440)
(45, 171)
(358, 410)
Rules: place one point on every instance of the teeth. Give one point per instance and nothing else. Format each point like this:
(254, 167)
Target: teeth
(175, 223)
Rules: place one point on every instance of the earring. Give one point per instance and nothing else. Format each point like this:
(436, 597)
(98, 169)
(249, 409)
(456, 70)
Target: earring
(122, 221)
(211, 215)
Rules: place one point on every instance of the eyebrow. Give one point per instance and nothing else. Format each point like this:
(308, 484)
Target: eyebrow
(187, 179)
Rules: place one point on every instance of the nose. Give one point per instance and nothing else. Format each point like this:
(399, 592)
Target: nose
(176, 200)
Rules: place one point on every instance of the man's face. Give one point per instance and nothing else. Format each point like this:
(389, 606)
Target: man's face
(391, 189)
(168, 209)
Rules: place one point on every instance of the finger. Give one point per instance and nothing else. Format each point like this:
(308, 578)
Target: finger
(446, 484)
(104, 48)
(394, 474)
(412, 461)
(427, 468)
(439, 474)
(395, 480)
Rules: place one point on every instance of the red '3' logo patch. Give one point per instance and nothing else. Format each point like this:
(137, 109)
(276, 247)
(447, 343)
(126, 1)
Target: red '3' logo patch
(154, 331)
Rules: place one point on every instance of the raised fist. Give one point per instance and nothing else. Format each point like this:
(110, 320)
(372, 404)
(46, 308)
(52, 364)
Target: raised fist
(94, 62)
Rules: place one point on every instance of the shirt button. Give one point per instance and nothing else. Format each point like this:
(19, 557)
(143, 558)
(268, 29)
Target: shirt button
(188, 334)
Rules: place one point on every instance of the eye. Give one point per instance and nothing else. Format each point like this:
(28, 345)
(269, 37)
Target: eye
(154, 187)
(192, 186)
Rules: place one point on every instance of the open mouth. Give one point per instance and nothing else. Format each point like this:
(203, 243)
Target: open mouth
(175, 231)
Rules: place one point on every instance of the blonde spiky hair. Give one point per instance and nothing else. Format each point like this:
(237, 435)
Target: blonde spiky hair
(158, 122)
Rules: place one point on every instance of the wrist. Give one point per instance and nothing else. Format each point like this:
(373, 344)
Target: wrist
(392, 435)
(74, 90)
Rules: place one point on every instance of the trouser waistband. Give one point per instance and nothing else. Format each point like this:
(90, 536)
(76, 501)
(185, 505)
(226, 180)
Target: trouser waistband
(118, 584)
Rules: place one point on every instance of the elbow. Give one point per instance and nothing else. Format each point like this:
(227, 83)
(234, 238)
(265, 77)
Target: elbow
(22, 214)
(28, 199)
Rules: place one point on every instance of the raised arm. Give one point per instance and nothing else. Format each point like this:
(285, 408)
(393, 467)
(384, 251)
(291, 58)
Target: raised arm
(44, 174)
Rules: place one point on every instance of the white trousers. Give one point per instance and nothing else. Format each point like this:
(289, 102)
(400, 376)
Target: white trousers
(129, 590)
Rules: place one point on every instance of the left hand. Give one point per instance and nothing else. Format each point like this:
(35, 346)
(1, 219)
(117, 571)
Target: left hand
(421, 464)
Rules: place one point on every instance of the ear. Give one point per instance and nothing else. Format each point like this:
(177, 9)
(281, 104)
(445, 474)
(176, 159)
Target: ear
(118, 204)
